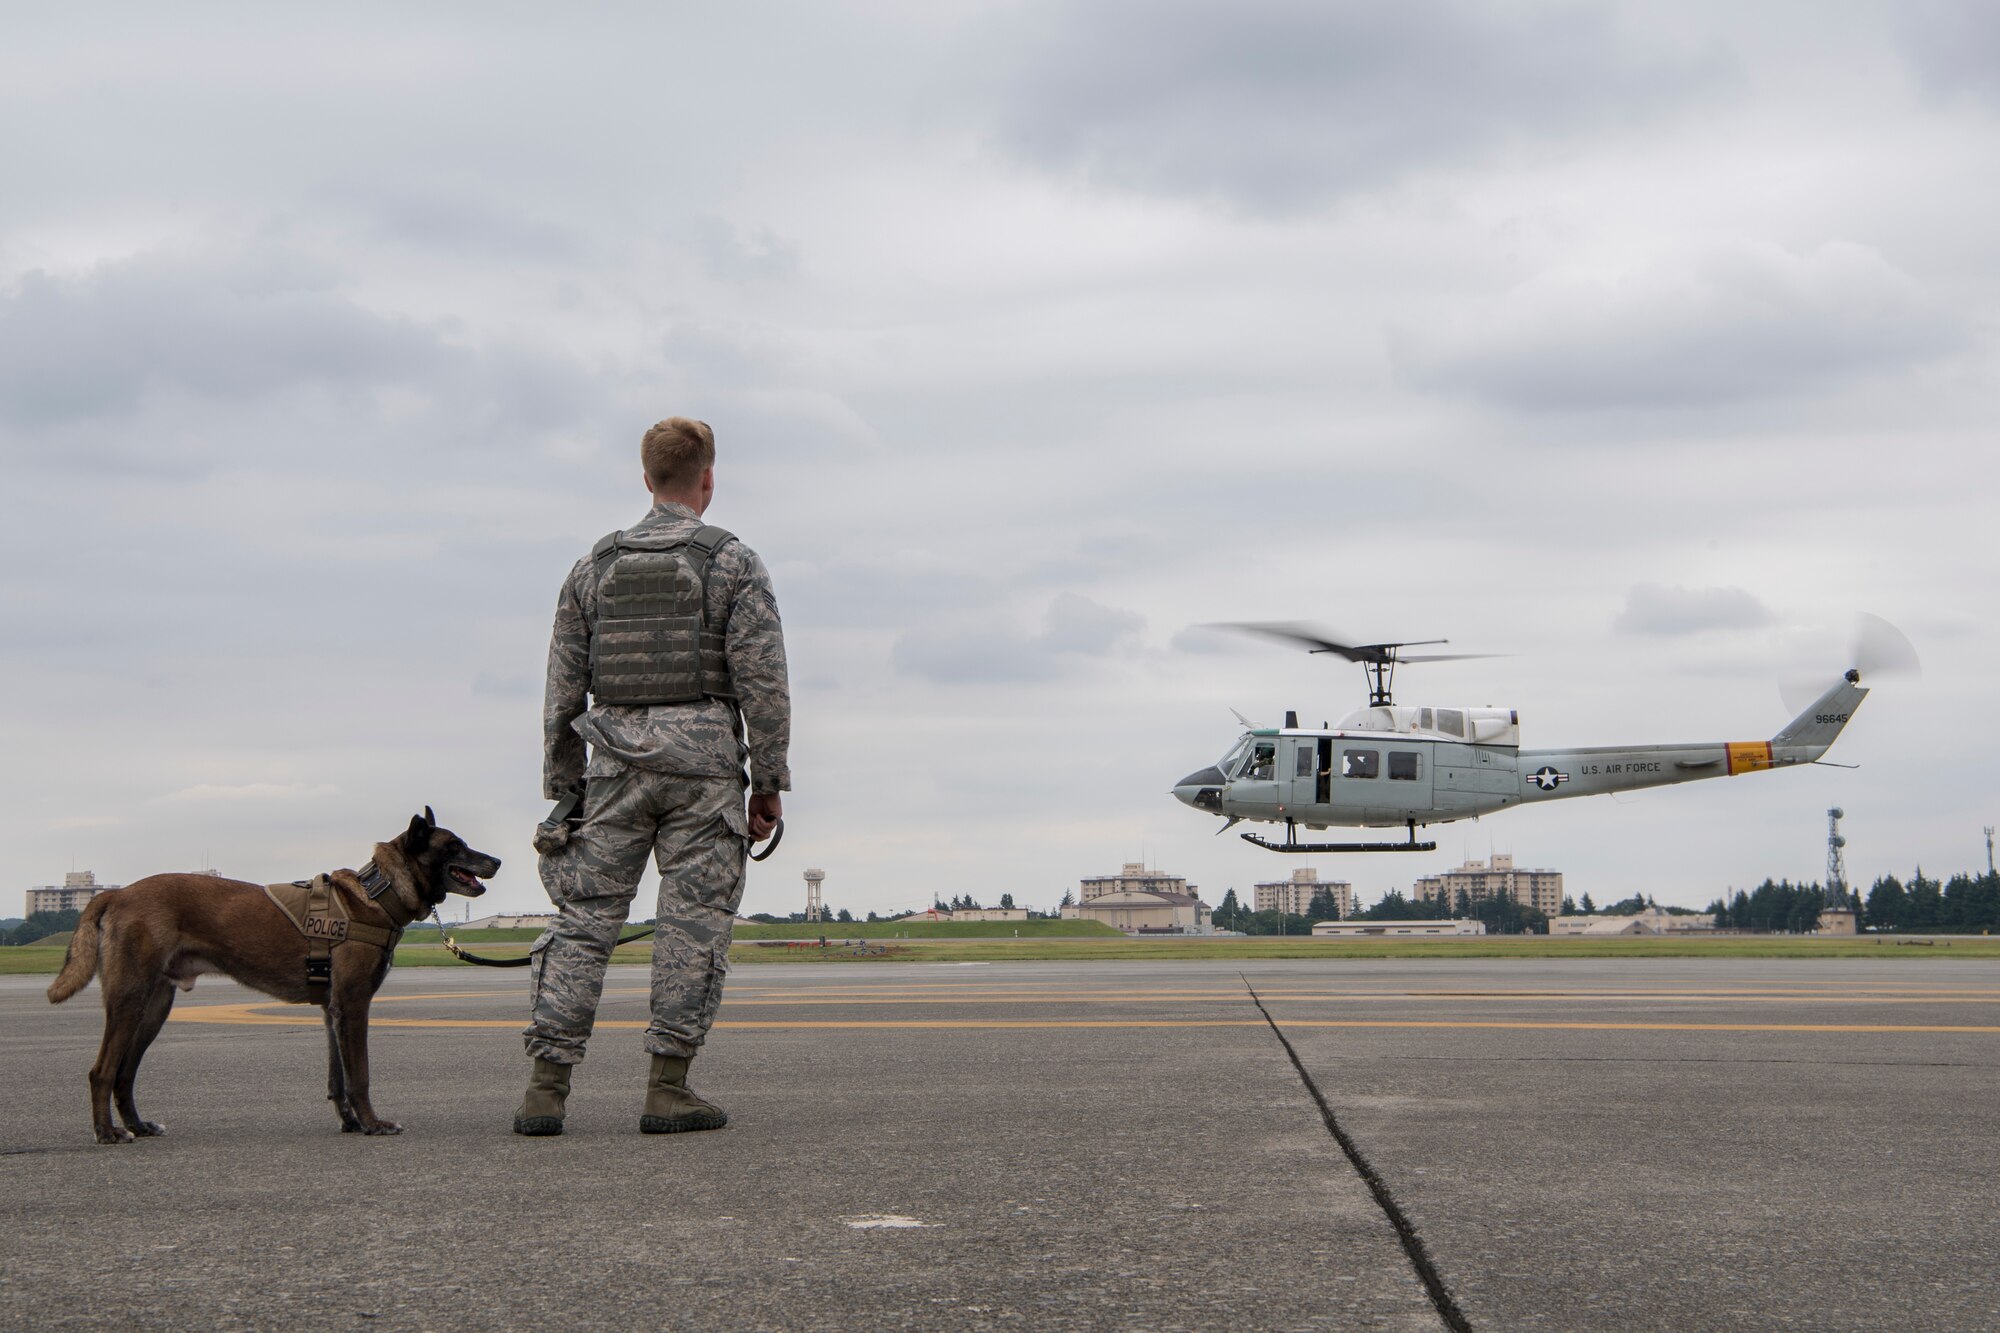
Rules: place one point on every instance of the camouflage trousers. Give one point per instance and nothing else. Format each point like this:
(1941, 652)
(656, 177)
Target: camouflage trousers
(696, 830)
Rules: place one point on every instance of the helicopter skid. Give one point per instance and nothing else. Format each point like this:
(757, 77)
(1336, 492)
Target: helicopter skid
(1304, 848)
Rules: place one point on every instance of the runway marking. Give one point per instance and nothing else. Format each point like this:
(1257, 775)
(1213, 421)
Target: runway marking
(1231, 998)
(260, 1014)
(915, 995)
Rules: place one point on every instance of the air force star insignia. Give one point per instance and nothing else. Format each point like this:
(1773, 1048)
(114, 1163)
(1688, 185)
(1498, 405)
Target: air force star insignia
(1547, 778)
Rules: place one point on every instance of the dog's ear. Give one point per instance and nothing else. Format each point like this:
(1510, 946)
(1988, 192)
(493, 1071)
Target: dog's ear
(430, 818)
(419, 831)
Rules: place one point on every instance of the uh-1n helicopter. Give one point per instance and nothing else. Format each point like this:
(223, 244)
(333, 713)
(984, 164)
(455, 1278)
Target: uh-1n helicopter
(1389, 765)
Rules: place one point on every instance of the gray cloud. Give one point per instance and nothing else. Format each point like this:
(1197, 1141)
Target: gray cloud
(1076, 624)
(1285, 104)
(1724, 323)
(95, 344)
(956, 651)
(1208, 641)
(739, 253)
(854, 595)
(1652, 608)
(435, 219)
(1954, 45)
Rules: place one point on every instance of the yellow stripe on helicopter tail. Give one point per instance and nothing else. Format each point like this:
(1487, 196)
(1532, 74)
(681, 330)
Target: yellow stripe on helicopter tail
(1748, 756)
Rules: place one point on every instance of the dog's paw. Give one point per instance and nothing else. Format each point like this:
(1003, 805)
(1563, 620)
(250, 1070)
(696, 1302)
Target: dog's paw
(148, 1129)
(113, 1134)
(385, 1127)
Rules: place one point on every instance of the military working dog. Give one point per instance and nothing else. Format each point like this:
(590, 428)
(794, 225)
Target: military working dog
(328, 941)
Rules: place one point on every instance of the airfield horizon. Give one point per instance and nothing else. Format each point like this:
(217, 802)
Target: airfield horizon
(32, 959)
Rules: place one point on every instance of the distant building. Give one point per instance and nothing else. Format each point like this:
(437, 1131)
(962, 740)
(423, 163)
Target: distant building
(1293, 896)
(78, 887)
(1652, 921)
(523, 921)
(1465, 927)
(1135, 878)
(947, 914)
(1835, 921)
(1139, 901)
(1478, 881)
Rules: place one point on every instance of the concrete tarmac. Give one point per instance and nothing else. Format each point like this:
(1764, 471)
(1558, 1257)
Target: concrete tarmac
(1284, 1145)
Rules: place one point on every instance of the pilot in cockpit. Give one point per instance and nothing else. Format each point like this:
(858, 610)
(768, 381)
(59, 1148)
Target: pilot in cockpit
(1263, 762)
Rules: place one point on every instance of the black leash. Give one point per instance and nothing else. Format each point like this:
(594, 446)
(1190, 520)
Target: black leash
(480, 960)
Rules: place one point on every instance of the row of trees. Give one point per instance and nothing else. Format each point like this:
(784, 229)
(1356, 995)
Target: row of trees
(1777, 907)
(1962, 905)
(39, 925)
(1502, 915)
(965, 902)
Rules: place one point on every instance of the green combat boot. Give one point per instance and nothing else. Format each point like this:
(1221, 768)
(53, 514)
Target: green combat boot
(542, 1109)
(671, 1106)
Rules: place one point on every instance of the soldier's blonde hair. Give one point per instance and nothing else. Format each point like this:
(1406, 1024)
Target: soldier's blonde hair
(676, 452)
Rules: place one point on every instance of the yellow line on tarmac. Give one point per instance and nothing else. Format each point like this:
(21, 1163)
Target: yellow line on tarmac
(259, 1015)
(1240, 997)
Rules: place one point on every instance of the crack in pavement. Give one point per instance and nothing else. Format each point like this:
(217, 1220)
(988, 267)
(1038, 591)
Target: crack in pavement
(1406, 1231)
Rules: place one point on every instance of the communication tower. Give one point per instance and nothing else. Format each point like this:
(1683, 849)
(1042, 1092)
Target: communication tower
(814, 912)
(1989, 849)
(1836, 858)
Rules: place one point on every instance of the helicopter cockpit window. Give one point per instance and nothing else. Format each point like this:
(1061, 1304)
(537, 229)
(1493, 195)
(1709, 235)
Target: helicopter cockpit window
(1263, 761)
(1451, 720)
(1404, 765)
(1233, 761)
(1424, 720)
(1360, 763)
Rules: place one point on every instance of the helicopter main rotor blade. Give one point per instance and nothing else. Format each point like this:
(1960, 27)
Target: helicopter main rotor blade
(1316, 640)
(1295, 632)
(1448, 657)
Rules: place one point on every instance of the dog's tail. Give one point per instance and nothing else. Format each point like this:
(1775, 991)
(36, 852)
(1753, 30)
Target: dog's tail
(80, 963)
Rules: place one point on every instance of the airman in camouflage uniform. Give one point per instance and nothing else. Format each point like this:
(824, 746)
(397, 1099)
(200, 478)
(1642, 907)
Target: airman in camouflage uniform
(661, 778)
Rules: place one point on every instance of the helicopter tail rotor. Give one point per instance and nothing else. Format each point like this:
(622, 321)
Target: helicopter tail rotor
(1877, 650)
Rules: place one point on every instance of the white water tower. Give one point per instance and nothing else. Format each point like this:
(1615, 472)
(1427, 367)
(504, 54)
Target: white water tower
(814, 912)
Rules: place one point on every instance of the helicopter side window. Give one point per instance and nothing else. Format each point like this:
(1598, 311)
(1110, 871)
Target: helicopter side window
(1425, 721)
(1360, 763)
(1304, 766)
(1451, 720)
(1263, 762)
(1404, 765)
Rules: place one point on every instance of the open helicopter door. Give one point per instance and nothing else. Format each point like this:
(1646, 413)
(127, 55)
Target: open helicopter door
(1309, 765)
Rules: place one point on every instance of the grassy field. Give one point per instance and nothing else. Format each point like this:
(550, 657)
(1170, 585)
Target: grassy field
(38, 958)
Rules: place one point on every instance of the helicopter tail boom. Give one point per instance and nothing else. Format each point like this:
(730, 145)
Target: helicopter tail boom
(1812, 733)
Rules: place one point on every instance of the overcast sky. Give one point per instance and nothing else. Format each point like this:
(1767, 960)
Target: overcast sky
(1647, 343)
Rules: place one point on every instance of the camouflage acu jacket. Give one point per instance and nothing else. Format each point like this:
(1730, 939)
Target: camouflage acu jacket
(693, 740)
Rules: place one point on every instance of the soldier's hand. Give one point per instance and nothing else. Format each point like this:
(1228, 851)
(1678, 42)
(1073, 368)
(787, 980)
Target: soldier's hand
(765, 812)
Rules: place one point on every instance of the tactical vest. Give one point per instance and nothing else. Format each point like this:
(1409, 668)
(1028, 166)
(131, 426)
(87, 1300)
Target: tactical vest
(652, 643)
(319, 911)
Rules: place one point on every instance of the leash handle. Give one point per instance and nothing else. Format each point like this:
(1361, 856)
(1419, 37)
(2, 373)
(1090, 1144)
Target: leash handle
(777, 836)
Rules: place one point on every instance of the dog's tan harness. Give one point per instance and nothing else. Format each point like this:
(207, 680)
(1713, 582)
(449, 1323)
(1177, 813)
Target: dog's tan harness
(318, 909)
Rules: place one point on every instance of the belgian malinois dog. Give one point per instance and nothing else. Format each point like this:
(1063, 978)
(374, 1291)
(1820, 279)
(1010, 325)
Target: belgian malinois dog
(164, 931)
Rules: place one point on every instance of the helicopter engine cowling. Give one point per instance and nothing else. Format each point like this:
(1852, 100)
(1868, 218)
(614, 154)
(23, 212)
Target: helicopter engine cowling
(1481, 726)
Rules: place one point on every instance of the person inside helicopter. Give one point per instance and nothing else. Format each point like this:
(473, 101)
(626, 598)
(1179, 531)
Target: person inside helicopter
(1263, 762)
